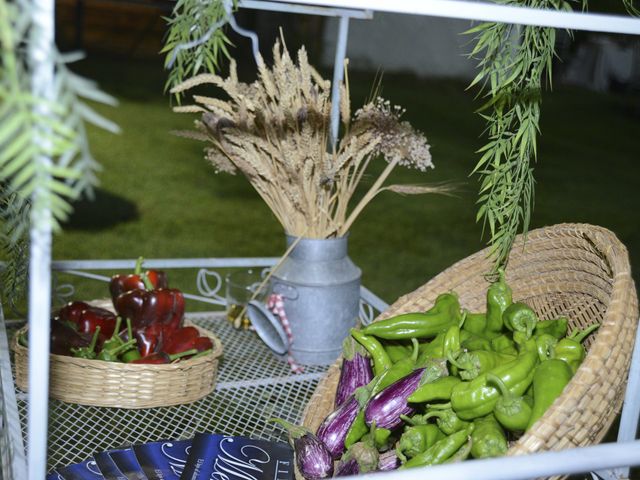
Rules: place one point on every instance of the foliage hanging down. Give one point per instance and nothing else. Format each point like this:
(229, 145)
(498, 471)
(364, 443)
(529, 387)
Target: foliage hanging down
(513, 68)
(198, 24)
(32, 128)
(511, 73)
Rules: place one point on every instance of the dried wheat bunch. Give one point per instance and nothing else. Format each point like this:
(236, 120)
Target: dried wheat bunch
(275, 132)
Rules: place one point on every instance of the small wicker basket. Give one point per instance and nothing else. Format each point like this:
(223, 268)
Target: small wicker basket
(124, 385)
(576, 270)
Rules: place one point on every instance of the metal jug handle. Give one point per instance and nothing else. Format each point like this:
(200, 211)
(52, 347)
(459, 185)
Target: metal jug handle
(287, 291)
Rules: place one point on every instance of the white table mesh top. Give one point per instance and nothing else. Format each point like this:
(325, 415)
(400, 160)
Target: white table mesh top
(253, 386)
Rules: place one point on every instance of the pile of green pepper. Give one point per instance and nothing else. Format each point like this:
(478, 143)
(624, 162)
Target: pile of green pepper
(505, 368)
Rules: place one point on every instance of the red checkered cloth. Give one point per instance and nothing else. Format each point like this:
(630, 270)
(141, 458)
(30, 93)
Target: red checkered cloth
(275, 303)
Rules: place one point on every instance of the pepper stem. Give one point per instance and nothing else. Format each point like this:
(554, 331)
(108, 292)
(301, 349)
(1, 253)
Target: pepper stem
(294, 431)
(123, 347)
(186, 353)
(129, 329)
(580, 335)
(408, 420)
(453, 361)
(439, 406)
(94, 339)
(504, 391)
(416, 346)
(116, 330)
(202, 353)
(138, 268)
(147, 283)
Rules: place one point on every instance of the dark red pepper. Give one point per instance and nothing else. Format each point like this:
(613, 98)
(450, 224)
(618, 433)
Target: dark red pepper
(64, 338)
(123, 283)
(159, 358)
(93, 317)
(202, 344)
(146, 307)
(150, 339)
(71, 312)
(180, 340)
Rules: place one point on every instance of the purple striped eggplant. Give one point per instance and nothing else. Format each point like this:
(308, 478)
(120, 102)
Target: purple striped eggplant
(386, 407)
(388, 461)
(356, 370)
(333, 429)
(313, 459)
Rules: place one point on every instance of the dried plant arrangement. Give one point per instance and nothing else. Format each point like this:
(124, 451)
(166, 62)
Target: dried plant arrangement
(275, 132)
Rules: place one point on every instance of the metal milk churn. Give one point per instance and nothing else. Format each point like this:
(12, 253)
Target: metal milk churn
(320, 286)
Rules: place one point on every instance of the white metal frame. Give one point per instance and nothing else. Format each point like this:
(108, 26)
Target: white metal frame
(568, 461)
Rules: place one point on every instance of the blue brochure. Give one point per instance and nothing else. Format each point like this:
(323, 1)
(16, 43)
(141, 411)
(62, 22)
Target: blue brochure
(54, 476)
(237, 458)
(108, 467)
(127, 463)
(163, 460)
(87, 470)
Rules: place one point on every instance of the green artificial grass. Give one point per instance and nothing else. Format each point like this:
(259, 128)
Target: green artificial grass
(160, 199)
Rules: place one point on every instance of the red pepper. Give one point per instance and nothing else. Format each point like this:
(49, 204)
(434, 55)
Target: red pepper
(64, 338)
(123, 283)
(146, 307)
(92, 317)
(180, 340)
(202, 344)
(159, 358)
(150, 339)
(71, 312)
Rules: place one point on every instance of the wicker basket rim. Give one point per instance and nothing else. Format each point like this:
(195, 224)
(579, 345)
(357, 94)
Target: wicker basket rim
(182, 364)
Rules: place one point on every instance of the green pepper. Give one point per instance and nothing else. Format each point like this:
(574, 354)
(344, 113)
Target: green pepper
(417, 438)
(545, 344)
(472, 364)
(521, 320)
(395, 372)
(447, 420)
(570, 349)
(488, 438)
(379, 357)
(88, 352)
(377, 437)
(549, 380)
(556, 327)
(499, 297)
(357, 430)
(442, 450)
(439, 389)
(433, 349)
(451, 344)
(503, 344)
(475, 342)
(397, 350)
(477, 398)
(463, 452)
(441, 316)
(512, 411)
(474, 322)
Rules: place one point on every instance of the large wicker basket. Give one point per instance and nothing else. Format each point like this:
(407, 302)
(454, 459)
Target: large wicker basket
(576, 270)
(124, 385)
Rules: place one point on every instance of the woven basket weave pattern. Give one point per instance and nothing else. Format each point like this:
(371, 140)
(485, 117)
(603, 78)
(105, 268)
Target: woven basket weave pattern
(576, 270)
(124, 385)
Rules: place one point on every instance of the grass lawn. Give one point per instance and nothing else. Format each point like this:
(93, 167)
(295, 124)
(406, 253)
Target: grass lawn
(159, 198)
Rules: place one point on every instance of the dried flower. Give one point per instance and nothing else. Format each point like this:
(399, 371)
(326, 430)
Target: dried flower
(275, 132)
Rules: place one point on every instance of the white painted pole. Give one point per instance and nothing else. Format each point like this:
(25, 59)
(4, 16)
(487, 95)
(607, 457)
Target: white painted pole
(41, 53)
(338, 76)
(490, 12)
